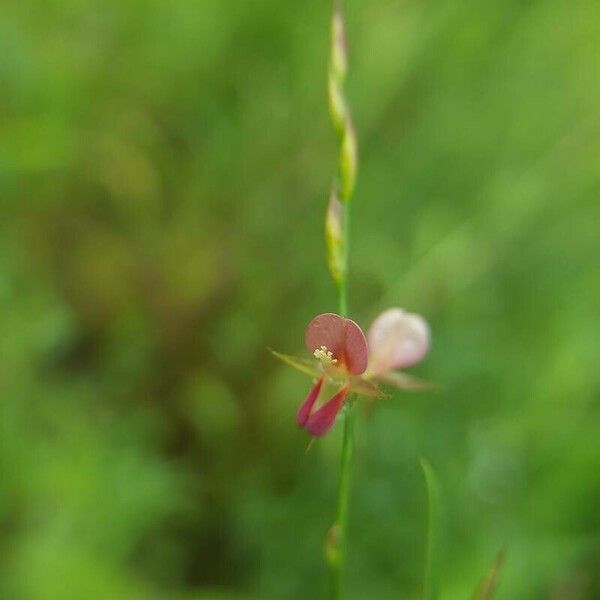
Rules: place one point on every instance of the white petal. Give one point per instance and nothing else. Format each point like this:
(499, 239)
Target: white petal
(397, 340)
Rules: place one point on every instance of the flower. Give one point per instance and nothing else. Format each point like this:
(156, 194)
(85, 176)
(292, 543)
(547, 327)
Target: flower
(351, 362)
(340, 346)
(397, 340)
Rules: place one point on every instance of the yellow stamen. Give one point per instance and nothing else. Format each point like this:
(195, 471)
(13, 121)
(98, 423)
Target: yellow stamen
(325, 356)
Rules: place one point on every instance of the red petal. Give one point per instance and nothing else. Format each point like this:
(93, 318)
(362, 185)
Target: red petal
(327, 330)
(305, 408)
(322, 420)
(343, 337)
(356, 354)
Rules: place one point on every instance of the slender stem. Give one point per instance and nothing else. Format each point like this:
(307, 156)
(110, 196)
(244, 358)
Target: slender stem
(338, 248)
(336, 540)
(347, 452)
(338, 531)
(342, 285)
(343, 301)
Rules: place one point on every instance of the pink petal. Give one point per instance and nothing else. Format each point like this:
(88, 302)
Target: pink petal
(305, 408)
(343, 337)
(322, 420)
(397, 339)
(356, 354)
(327, 330)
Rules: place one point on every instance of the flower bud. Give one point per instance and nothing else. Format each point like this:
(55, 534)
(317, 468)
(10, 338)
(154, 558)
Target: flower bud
(337, 104)
(334, 240)
(348, 161)
(339, 53)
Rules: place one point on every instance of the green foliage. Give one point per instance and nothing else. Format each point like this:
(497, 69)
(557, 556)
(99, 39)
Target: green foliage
(164, 172)
(433, 558)
(487, 587)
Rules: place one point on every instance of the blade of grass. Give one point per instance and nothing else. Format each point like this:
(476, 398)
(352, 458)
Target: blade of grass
(487, 586)
(432, 561)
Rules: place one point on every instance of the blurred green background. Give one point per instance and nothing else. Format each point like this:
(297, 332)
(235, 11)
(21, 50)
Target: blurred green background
(164, 171)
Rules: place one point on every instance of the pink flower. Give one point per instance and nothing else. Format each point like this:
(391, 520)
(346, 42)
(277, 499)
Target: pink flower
(397, 340)
(346, 361)
(341, 347)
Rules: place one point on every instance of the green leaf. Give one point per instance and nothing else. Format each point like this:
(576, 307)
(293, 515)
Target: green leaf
(432, 562)
(486, 588)
(305, 365)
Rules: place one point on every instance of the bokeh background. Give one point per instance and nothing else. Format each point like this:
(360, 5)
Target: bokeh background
(164, 171)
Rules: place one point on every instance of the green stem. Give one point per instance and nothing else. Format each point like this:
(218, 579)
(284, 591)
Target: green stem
(337, 534)
(335, 544)
(336, 539)
(342, 285)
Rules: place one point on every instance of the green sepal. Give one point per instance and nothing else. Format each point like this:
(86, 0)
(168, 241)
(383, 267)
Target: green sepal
(305, 365)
